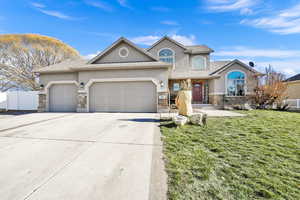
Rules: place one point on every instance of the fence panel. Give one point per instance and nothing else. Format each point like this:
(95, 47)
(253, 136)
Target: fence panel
(20, 100)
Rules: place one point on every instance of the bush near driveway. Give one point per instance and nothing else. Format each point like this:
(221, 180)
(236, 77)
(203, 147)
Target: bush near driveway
(253, 157)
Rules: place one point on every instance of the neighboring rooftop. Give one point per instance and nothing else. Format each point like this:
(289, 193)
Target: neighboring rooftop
(294, 78)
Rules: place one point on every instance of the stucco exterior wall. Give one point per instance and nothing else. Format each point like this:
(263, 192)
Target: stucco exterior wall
(158, 74)
(293, 90)
(46, 78)
(219, 84)
(183, 61)
(114, 57)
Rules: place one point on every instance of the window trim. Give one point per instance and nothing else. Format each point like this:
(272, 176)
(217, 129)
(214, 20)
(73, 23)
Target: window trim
(174, 61)
(226, 82)
(127, 52)
(205, 63)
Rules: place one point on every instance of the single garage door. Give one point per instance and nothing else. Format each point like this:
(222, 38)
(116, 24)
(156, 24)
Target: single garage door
(63, 98)
(123, 97)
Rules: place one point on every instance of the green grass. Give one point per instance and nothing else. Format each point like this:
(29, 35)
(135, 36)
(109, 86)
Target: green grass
(253, 157)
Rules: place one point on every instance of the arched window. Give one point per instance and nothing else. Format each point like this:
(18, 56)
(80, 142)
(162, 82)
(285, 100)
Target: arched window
(236, 83)
(198, 63)
(166, 55)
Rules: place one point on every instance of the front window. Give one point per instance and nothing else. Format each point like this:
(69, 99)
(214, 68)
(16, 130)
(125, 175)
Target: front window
(198, 63)
(176, 87)
(166, 55)
(236, 83)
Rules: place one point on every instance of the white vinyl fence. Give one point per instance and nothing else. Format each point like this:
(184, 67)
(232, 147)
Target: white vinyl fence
(19, 100)
(293, 103)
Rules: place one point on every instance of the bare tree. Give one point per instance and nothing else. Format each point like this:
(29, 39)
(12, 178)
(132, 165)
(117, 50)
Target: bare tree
(271, 90)
(21, 54)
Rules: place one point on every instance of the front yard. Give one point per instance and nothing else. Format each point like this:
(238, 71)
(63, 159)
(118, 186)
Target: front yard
(253, 157)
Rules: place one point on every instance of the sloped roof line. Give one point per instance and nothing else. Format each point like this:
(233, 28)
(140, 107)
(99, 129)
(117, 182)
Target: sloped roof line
(168, 38)
(121, 39)
(233, 62)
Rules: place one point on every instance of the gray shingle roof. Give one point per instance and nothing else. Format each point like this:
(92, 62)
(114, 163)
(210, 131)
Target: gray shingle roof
(199, 49)
(215, 65)
(81, 64)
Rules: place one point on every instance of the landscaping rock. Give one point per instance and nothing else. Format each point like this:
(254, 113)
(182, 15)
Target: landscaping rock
(247, 107)
(198, 119)
(228, 107)
(180, 120)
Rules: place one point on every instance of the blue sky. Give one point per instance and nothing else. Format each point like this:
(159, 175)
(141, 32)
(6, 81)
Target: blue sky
(263, 31)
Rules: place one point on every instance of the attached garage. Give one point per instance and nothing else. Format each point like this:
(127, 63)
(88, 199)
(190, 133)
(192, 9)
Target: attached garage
(129, 96)
(63, 98)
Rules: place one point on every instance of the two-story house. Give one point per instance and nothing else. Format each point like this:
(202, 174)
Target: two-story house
(127, 78)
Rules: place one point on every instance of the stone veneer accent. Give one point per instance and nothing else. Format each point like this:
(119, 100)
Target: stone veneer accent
(221, 100)
(82, 102)
(42, 102)
(163, 101)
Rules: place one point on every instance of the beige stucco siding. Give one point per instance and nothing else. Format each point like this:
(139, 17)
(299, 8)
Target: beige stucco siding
(183, 61)
(46, 78)
(219, 84)
(293, 90)
(114, 57)
(158, 74)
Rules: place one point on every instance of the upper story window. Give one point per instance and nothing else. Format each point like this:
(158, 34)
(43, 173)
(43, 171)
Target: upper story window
(166, 55)
(199, 63)
(236, 83)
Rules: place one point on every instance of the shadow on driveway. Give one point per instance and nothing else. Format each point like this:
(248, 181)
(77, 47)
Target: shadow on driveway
(141, 120)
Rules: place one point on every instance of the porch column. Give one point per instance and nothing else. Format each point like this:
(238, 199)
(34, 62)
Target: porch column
(206, 92)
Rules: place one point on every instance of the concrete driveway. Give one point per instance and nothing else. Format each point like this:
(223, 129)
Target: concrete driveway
(84, 156)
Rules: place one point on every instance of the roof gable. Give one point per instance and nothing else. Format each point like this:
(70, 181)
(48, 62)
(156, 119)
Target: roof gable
(167, 38)
(111, 54)
(236, 61)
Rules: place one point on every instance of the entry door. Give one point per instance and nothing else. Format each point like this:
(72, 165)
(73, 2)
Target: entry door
(197, 93)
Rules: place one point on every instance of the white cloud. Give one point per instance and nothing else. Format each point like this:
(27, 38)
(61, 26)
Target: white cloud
(285, 22)
(100, 4)
(285, 61)
(90, 56)
(38, 5)
(288, 67)
(169, 22)
(151, 39)
(160, 9)
(56, 14)
(124, 3)
(231, 5)
(186, 40)
(263, 53)
(145, 40)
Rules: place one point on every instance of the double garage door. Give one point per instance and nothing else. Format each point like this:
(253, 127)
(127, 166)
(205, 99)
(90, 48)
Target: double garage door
(106, 97)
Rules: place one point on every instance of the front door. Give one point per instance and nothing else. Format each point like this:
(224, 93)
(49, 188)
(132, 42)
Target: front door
(197, 93)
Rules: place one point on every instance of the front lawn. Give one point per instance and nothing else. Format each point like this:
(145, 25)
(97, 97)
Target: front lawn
(253, 157)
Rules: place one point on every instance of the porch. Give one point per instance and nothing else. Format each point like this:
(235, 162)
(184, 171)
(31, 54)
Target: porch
(199, 87)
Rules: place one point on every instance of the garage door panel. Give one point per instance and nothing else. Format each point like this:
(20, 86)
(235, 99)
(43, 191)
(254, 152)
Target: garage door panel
(63, 98)
(123, 97)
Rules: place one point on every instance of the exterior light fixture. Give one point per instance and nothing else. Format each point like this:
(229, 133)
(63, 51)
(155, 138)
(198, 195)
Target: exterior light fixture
(161, 84)
(82, 84)
(42, 86)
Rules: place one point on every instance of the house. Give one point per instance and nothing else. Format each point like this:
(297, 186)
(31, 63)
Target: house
(293, 89)
(127, 78)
